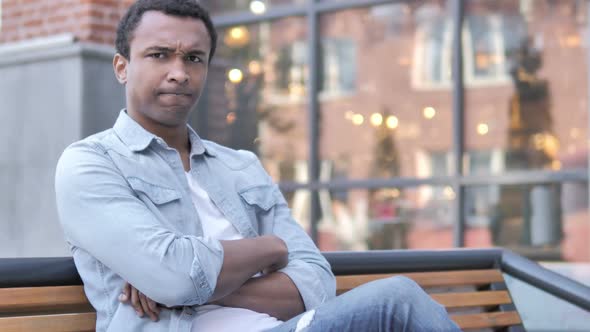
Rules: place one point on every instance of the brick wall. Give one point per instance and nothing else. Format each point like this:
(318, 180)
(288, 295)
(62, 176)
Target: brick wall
(89, 20)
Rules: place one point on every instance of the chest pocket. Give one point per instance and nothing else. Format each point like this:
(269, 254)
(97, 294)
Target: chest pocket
(164, 202)
(258, 202)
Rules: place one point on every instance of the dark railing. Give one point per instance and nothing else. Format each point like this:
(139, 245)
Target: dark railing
(37, 272)
(33, 272)
(392, 261)
(544, 279)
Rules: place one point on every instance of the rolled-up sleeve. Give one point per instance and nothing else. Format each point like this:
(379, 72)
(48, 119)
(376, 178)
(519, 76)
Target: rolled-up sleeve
(315, 284)
(100, 213)
(307, 268)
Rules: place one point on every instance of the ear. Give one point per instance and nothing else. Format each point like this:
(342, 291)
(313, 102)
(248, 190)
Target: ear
(120, 67)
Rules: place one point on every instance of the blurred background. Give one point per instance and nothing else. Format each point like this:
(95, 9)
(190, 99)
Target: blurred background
(388, 124)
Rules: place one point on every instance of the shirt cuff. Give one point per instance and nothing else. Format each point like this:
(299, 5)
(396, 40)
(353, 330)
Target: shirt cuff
(307, 282)
(206, 268)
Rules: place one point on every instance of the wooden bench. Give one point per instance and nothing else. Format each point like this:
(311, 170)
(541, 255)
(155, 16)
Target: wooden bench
(51, 309)
(65, 308)
(476, 298)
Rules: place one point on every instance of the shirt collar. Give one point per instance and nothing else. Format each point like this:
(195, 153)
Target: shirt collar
(138, 139)
(197, 145)
(132, 133)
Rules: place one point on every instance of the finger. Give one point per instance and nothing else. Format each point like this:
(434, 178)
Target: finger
(146, 308)
(153, 306)
(135, 302)
(124, 296)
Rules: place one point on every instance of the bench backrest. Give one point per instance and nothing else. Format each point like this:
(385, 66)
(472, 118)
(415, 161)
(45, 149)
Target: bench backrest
(51, 309)
(475, 299)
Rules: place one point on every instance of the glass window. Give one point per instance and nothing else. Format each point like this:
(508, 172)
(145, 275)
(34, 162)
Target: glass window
(374, 123)
(488, 42)
(299, 202)
(338, 75)
(526, 85)
(257, 7)
(483, 161)
(431, 66)
(291, 69)
(337, 72)
(386, 218)
(256, 98)
(542, 221)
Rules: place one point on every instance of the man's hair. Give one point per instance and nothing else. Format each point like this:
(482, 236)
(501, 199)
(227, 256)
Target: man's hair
(180, 8)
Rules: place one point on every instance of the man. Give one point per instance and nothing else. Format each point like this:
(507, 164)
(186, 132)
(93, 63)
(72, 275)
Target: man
(191, 234)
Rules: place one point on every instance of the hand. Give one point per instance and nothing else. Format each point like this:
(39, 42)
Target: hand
(141, 303)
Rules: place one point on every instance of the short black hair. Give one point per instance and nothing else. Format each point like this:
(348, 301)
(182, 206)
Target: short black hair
(180, 8)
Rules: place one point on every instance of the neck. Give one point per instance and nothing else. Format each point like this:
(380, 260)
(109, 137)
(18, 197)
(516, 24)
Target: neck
(176, 137)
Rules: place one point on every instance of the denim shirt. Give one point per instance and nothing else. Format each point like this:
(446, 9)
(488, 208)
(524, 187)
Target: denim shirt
(127, 214)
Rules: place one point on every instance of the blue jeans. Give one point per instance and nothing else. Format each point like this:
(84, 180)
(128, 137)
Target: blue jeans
(393, 304)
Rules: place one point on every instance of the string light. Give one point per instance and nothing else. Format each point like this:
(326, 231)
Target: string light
(358, 119)
(483, 129)
(235, 76)
(376, 119)
(429, 112)
(257, 7)
(392, 122)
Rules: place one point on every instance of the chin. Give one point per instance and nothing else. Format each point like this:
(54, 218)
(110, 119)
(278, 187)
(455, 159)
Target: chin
(173, 116)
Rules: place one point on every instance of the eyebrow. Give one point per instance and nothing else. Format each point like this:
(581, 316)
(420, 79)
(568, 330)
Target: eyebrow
(172, 50)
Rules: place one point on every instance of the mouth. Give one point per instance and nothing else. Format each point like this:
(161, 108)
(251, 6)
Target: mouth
(173, 98)
(172, 93)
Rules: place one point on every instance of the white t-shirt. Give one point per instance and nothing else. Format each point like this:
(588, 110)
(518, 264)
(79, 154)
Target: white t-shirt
(213, 317)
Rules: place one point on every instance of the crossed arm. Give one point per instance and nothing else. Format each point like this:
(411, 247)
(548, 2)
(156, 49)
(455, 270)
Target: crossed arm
(274, 293)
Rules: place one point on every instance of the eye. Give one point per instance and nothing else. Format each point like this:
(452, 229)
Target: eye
(194, 58)
(157, 55)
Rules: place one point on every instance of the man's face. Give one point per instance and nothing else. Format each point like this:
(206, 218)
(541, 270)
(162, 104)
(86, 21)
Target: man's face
(166, 69)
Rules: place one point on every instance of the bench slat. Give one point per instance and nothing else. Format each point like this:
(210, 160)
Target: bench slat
(472, 299)
(81, 322)
(53, 298)
(43, 299)
(426, 279)
(483, 320)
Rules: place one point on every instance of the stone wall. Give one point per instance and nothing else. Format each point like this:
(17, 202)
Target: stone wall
(52, 94)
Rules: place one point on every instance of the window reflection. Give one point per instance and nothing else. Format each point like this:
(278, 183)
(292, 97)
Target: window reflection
(385, 84)
(549, 221)
(490, 42)
(386, 218)
(338, 75)
(526, 85)
(433, 48)
(291, 69)
(256, 7)
(374, 122)
(337, 70)
(299, 203)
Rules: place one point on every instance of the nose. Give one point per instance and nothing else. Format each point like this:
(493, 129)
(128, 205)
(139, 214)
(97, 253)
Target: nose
(178, 73)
